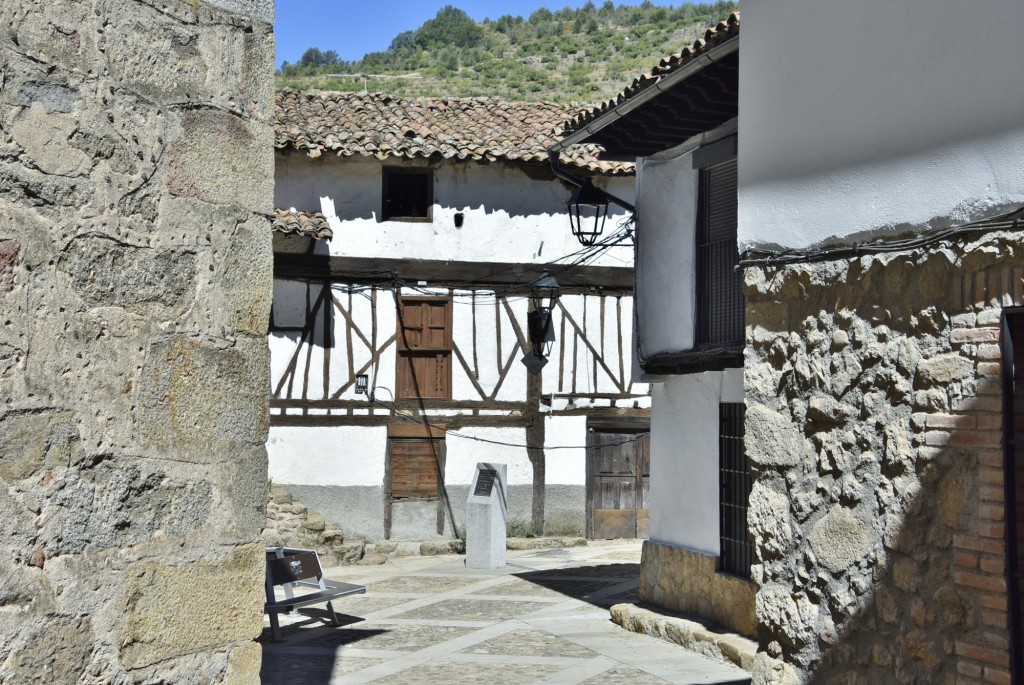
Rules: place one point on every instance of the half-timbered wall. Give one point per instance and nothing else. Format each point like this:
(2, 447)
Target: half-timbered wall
(328, 444)
(325, 333)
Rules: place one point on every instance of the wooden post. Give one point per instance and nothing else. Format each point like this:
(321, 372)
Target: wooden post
(535, 448)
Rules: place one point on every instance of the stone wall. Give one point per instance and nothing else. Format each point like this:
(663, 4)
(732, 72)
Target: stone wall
(136, 169)
(290, 523)
(688, 582)
(874, 427)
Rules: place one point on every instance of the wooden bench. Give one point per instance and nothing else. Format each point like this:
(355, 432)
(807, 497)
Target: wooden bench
(292, 567)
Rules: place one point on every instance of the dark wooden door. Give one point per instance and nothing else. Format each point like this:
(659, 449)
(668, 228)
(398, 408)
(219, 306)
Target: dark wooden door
(1013, 465)
(619, 468)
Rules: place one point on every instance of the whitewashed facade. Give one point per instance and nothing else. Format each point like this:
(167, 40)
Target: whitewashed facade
(492, 228)
(879, 199)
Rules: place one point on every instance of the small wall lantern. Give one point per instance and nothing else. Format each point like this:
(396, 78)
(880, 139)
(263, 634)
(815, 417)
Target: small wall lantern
(588, 209)
(362, 382)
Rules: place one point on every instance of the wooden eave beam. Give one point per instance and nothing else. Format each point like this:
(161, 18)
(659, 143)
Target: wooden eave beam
(437, 273)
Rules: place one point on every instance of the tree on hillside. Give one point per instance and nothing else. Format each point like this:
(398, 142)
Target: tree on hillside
(451, 26)
(314, 57)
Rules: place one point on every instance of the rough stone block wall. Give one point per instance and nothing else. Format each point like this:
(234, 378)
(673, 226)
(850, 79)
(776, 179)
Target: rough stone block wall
(874, 427)
(290, 523)
(688, 582)
(136, 173)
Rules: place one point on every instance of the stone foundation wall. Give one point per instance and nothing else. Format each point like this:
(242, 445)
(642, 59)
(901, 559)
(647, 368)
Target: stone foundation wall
(136, 172)
(290, 523)
(874, 427)
(687, 582)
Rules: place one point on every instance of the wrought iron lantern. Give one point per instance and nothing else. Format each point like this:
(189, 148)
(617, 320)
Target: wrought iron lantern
(544, 294)
(362, 381)
(588, 209)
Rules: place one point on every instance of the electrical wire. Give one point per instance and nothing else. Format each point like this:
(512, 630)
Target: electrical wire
(753, 257)
(422, 420)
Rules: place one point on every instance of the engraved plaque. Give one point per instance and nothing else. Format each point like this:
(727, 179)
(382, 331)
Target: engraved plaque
(485, 482)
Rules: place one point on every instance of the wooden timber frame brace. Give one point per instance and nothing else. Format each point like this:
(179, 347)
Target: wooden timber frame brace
(433, 437)
(535, 449)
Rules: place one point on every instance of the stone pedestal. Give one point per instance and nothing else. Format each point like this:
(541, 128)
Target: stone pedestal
(486, 516)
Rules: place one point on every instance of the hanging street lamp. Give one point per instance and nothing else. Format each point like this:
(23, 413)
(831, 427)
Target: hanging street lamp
(543, 295)
(588, 209)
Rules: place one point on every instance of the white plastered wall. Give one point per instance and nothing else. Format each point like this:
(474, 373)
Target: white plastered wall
(507, 216)
(684, 457)
(324, 456)
(925, 129)
(665, 264)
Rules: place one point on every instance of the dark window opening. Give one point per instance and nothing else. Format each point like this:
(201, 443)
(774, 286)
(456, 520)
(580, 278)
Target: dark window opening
(408, 194)
(735, 483)
(719, 284)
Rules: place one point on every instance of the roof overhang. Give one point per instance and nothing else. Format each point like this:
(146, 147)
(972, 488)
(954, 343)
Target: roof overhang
(695, 99)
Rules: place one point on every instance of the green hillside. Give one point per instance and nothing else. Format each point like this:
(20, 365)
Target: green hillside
(569, 55)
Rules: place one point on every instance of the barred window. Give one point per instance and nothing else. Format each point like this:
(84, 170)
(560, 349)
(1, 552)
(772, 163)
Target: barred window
(735, 482)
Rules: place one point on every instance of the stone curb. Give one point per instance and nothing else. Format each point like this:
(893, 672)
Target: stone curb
(692, 635)
(519, 544)
(456, 546)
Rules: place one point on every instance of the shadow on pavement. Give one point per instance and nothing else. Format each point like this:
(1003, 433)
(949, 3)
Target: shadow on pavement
(592, 584)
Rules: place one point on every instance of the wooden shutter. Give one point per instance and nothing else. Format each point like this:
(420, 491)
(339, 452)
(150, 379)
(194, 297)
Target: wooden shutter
(414, 467)
(424, 367)
(720, 286)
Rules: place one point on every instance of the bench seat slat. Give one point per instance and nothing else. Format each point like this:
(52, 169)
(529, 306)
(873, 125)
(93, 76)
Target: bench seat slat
(333, 591)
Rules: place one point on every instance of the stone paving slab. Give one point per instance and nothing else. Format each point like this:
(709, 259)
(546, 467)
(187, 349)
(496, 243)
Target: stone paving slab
(449, 671)
(538, 621)
(422, 584)
(402, 638)
(530, 643)
(624, 676)
(475, 609)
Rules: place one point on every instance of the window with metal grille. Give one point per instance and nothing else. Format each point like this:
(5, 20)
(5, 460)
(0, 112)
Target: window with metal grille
(719, 284)
(408, 194)
(735, 482)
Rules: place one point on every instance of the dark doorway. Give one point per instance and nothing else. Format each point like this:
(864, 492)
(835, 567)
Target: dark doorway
(1013, 442)
(618, 480)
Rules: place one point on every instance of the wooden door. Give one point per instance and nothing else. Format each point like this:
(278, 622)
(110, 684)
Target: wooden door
(619, 480)
(1013, 474)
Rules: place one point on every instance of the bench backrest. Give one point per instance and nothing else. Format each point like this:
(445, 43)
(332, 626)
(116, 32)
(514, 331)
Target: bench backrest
(293, 567)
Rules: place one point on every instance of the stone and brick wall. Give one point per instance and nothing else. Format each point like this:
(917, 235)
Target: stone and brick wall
(136, 172)
(874, 428)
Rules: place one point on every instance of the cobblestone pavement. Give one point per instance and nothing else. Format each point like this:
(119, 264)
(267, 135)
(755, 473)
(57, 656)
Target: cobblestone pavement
(542, 620)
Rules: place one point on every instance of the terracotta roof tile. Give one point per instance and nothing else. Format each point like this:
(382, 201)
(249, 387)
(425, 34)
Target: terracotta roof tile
(308, 224)
(479, 129)
(716, 35)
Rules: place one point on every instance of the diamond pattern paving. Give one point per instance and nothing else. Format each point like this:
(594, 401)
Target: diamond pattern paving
(474, 610)
(530, 643)
(421, 584)
(447, 672)
(624, 676)
(401, 638)
(455, 626)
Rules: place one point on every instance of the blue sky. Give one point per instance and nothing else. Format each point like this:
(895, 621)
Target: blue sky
(355, 27)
